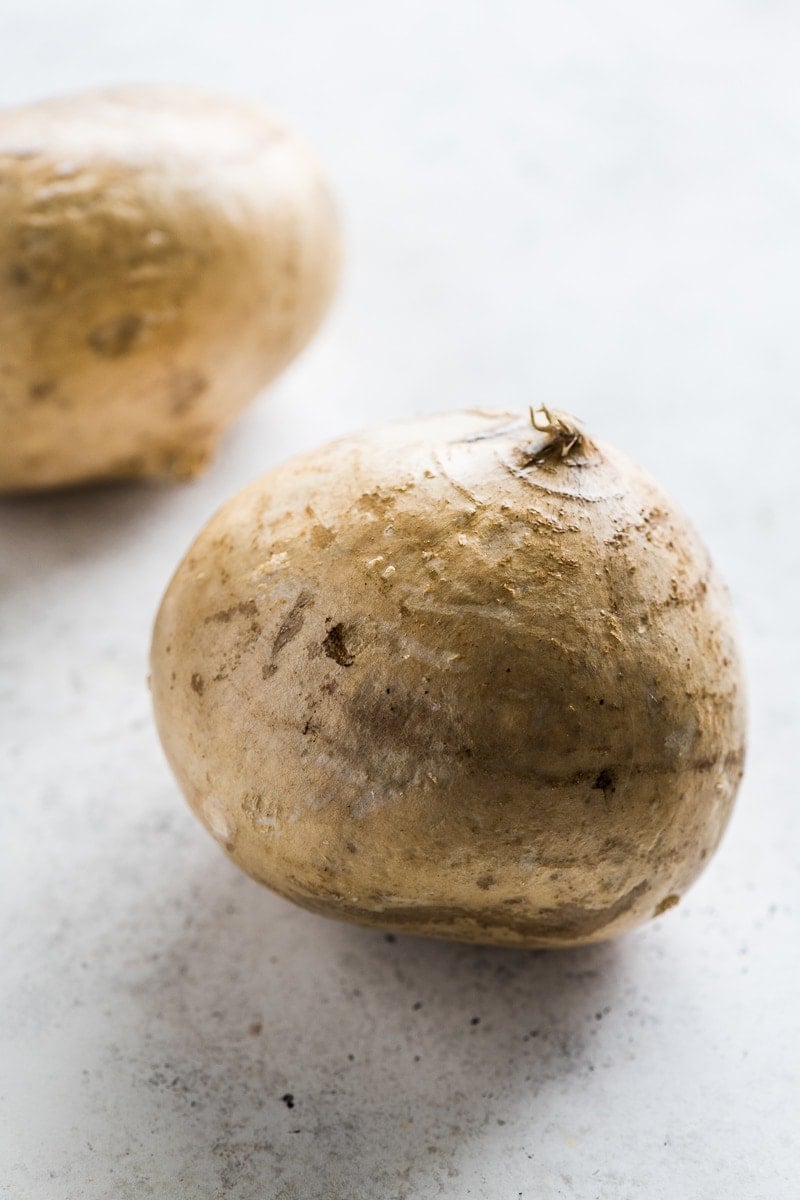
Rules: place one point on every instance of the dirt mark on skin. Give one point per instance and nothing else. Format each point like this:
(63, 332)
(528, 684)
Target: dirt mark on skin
(116, 337)
(335, 646)
(248, 608)
(42, 390)
(605, 782)
(292, 623)
(185, 389)
(667, 903)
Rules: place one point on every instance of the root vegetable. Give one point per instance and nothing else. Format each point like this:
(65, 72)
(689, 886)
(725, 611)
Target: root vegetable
(460, 676)
(163, 255)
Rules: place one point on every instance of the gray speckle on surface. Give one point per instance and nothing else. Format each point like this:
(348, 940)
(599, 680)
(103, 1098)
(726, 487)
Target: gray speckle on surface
(593, 206)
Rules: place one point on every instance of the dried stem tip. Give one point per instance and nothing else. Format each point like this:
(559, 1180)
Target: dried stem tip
(564, 435)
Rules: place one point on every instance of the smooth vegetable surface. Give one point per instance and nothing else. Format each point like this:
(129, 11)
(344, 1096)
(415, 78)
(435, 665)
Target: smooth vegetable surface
(457, 676)
(163, 255)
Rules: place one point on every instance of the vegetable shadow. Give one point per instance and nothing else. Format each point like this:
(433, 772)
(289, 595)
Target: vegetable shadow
(43, 532)
(299, 1058)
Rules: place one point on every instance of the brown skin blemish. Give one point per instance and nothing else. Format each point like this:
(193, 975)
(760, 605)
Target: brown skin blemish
(484, 882)
(666, 904)
(198, 684)
(248, 608)
(605, 782)
(129, 467)
(335, 646)
(185, 389)
(19, 276)
(42, 390)
(321, 536)
(117, 337)
(292, 623)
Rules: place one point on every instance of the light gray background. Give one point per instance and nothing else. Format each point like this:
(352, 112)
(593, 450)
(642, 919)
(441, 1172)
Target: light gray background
(595, 205)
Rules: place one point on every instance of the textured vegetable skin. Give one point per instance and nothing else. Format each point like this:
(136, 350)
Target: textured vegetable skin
(439, 678)
(163, 255)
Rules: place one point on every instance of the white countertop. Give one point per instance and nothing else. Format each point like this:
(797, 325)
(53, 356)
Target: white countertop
(592, 205)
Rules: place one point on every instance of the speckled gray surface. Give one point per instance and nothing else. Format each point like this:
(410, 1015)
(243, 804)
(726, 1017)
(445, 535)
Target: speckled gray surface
(594, 205)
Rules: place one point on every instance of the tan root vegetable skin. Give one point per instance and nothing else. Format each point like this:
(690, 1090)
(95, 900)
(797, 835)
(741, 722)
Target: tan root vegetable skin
(460, 677)
(163, 255)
